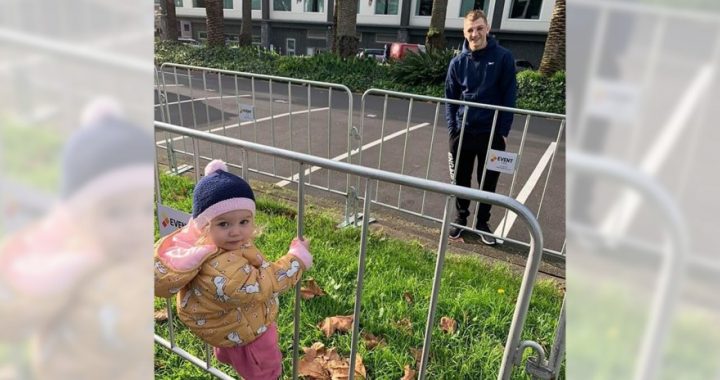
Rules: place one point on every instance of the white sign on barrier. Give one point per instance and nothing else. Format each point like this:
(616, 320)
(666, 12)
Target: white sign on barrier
(501, 161)
(247, 112)
(170, 220)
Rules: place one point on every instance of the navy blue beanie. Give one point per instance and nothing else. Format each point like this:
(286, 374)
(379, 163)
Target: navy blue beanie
(106, 155)
(219, 192)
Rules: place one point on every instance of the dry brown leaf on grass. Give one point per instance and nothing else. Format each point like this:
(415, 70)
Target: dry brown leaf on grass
(312, 369)
(320, 363)
(311, 289)
(340, 369)
(416, 354)
(371, 341)
(338, 323)
(408, 298)
(405, 324)
(448, 325)
(161, 315)
(409, 373)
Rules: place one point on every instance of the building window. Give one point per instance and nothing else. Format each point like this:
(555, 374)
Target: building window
(228, 4)
(282, 5)
(386, 7)
(314, 6)
(316, 35)
(198, 3)
(178, 3)
(290, 46)
(468, 5)
(256, 5)
(256, 40)
(202, 36)
(424, 8)
(526, 9)
(186, 27)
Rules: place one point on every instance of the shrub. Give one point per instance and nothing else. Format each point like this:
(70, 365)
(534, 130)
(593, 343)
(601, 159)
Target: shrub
(422, 68)
(539, 93)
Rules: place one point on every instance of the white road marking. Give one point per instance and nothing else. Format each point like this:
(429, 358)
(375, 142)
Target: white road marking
(161, 143)
(507, 222)
(343, 156)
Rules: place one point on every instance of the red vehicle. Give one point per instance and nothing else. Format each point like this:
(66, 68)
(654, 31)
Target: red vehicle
(398, 50)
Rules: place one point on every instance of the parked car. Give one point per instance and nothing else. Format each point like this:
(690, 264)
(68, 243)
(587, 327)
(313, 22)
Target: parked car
(378, 54)
(398, 50)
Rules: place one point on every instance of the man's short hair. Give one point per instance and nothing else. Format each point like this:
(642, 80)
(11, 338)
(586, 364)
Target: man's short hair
(476, 14)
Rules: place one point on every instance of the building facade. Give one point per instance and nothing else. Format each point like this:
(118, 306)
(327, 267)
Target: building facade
(304, 27)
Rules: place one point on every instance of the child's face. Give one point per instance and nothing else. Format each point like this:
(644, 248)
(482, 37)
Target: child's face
(232, 229)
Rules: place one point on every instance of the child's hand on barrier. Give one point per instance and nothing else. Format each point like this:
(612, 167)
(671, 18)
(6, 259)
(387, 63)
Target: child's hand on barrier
(185, 255)
(300, 248)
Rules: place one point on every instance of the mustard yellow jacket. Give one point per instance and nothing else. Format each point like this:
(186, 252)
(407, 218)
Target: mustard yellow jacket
(230, 297)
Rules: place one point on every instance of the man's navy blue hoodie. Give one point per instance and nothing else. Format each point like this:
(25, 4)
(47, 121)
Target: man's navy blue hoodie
(485, 76)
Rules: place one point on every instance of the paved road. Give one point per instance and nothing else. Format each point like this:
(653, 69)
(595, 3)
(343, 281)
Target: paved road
(328, 137)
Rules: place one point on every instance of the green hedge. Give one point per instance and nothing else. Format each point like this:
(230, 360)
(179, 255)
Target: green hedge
(539, 93)
(418, 73)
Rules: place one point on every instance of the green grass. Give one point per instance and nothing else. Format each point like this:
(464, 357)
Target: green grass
(469, 294)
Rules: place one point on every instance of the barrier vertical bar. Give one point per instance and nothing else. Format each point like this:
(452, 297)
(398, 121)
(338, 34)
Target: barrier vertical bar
(300, 232)
(272, 126)
(432, 142)
(515, 174)
(407, 132)
(179, 103)
(484, 163)
(558, 349)
(442, 247)
(360, 277)
(207, 108)
(552, 160)
(207, 356)
(382, 141)
(329, 134)
(252, 88)
(196, 155)
(192, 100)
(222, 113)
(171, 327)
(309, 104)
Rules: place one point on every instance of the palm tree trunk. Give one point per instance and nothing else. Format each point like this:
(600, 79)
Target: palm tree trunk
(171, 29)
(435, 38)
(347, 40)
(246, 28)
(215, 30)
(554, 55)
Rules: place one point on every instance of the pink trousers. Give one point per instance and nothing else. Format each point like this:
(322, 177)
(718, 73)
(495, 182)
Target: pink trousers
(258, 360)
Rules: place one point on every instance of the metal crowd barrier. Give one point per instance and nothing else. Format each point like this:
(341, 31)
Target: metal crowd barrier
(187, 93)
(514, 347)
(422, 212)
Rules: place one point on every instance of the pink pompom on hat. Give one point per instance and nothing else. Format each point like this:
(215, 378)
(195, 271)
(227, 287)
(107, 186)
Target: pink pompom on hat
(218, 192)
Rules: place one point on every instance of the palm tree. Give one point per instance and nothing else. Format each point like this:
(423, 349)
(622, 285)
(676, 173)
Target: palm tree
(171, 30)
(215, 30)
(435, 38)
(246, 28)
(554, 55)
(346, 41)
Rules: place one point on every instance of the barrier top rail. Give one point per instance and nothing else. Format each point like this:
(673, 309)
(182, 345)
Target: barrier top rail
(260, 76)
(536, 243)
(549, 115)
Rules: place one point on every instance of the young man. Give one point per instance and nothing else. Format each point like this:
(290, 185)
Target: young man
(484, 73)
